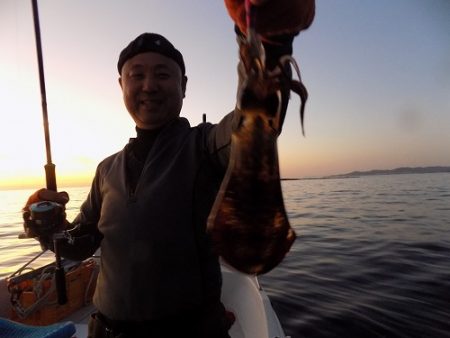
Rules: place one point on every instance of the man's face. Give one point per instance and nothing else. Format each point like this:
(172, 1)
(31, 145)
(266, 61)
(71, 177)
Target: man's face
(153, 89)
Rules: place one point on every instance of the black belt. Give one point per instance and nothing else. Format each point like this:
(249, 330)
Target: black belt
(207, 322)
(175, 326)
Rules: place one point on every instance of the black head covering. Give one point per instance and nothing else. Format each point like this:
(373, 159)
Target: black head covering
(151, 42)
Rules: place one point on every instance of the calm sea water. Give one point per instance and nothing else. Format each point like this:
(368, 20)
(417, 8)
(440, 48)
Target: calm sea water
(372, 257)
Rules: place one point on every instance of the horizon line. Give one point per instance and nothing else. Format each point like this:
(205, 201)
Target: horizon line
(32, 182)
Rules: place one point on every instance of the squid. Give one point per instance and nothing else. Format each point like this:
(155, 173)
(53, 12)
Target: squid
(248, 224)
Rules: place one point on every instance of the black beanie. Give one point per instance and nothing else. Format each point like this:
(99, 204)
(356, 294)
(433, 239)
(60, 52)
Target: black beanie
(151, 42)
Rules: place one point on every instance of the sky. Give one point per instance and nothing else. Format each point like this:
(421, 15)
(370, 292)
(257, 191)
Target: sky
(377, 72)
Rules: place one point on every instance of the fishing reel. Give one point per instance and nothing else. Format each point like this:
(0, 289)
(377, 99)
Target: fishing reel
(43, 219)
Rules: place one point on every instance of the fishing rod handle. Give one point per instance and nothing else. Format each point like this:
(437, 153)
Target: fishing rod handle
(50, 176)
(60, 277)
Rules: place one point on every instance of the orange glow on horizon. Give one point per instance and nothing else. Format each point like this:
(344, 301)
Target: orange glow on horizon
(37, 182)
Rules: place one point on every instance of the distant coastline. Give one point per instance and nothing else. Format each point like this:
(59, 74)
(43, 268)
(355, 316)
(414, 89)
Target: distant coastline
(375, 172)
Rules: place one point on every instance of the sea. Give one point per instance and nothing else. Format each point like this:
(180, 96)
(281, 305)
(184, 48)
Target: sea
(372, 256)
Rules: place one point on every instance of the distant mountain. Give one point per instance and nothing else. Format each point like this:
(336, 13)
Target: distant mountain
(402, 170)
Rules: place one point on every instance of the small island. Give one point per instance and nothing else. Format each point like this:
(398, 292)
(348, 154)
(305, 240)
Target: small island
(396, 171)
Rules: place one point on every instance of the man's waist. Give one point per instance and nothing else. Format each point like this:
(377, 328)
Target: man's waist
(133, 325)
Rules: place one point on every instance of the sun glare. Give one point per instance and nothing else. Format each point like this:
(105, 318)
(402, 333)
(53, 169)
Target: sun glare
(22, 146)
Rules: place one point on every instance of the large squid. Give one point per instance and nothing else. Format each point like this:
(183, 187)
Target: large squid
(248, 224)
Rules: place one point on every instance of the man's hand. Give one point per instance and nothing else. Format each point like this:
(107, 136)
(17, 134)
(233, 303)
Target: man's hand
(273, 17)
(51, 217)
(47, 195)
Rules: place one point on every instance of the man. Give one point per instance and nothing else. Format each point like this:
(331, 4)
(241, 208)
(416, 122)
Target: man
(148, 204)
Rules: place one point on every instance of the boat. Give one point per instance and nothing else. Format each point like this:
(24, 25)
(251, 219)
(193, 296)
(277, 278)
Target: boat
(241, 294)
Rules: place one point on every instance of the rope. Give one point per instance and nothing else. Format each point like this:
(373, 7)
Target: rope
(92, 278)
(23, 267)
(38, 287)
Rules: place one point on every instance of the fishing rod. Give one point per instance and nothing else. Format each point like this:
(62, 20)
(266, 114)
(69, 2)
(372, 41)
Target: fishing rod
(50, 175)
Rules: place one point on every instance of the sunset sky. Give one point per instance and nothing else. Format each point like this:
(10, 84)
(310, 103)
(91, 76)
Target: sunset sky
(378, 74)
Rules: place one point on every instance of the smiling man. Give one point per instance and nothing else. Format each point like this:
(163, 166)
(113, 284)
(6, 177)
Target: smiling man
(150, 201)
